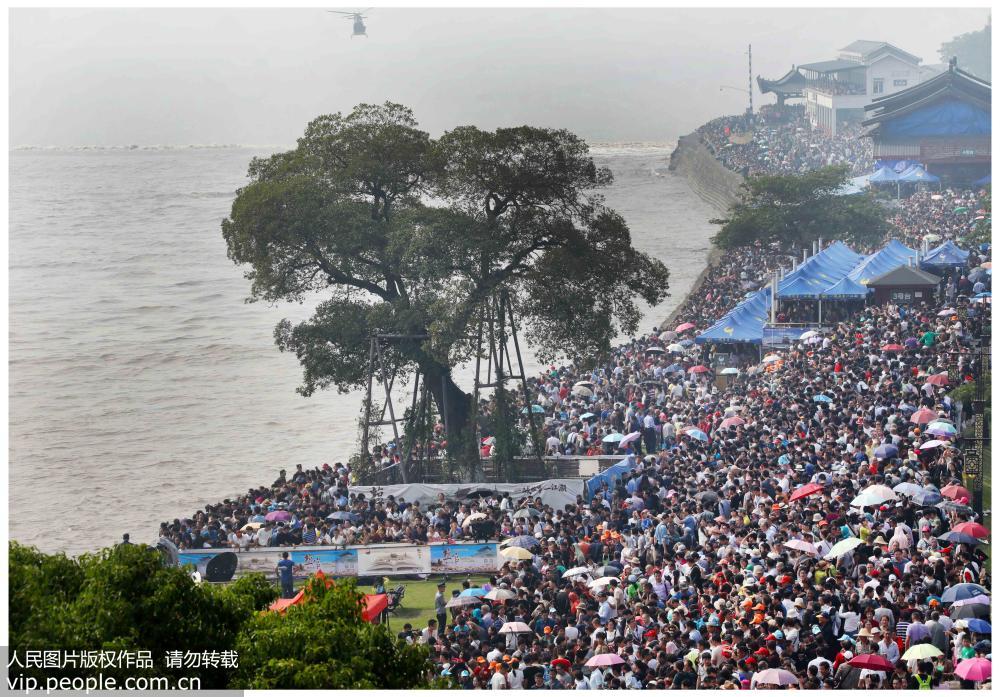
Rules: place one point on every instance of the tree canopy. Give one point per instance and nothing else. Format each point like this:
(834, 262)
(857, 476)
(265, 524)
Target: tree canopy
(972, 50)
(400, 233)
(796, 209)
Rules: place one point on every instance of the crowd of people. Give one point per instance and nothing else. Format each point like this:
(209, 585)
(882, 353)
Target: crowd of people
(938, 215)
(781, 141)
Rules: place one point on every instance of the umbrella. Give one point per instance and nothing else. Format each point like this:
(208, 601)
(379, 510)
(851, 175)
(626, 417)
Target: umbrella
(612, 438)
(802, 546)
(675, 348)
(251, 526)
(473, 518)
(526, 541)
(339, 515)
(605, 659)
(923, 416)
(965, 612)
(893, 348)
(974, 600)
(885, 451)
(582, 391)
(535, 409)
(770, 358)
(515, 628)
(941, 379)
(278, 515)
(526, 512)
(927, 497)
(974, 529)
(956, 507)
(630, 438)
(919, 651)
(516, 553)
(807, 490)
(607, 570)
(808, 335)
(822, 398)
(931, 444)
(941, 428)
(668, 336)
(588, 415)
(776, 676)
(732, 421)
(962, 591)
(955, 492)
(698, 369)
(675, 368)
(463, 600)
(697, 434)
(911, 343)
(978, 626)
(871, 661)
(907, 488)
(654, 349)
(974, 669)
(843, 547)
(875, 494)
(473, 592)
(959, 538)
(730, 371)
(576, 571)
(500, 594)
(599, 583)
(683, 327)
(709, 496)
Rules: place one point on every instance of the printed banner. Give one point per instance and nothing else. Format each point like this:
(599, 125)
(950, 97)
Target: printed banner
(553, 492)
(332, 562)
(394, 561)
(460, 559)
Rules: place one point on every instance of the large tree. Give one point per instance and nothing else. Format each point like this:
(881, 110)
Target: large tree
(795, 209)
(972, 51)
(404, 234)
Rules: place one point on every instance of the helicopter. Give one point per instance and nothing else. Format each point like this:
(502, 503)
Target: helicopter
(359, 25)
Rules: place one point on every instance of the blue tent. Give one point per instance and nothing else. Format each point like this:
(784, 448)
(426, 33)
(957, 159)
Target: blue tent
(945, 255)
(984, 181)
(818, 272)
(609, 476)
(845, 289)
(917, 174)
(893, 255)
(744, 324)
(884, 175)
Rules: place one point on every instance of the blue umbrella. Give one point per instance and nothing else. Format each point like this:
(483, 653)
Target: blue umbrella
(588, 415)
(822, 398)
(960, 538)
(524, 541)
(961, 591)
(612, 438)
(886, 450)
(686, 342)
(675, 368)
(979, 626)
(987, 294)
(473, 592)
(927, 498)
(697, 434)
(535, 409)
(339, 515)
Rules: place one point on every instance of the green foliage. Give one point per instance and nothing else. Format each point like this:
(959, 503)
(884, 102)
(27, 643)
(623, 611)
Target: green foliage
(972, 50)
(323, 643)
(983, 230)
(348, 214)
(797, 209)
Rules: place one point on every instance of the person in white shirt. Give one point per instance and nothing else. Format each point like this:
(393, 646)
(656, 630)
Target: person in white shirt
(596, 681)
(499, 680)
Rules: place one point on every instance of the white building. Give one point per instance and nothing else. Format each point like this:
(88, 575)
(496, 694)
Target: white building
(837, 91)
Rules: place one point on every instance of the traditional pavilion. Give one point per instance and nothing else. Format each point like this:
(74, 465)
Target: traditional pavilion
(944, 123)
(788, 86)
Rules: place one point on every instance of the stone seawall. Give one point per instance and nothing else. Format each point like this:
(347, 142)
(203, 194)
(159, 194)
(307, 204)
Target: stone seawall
(714, 184)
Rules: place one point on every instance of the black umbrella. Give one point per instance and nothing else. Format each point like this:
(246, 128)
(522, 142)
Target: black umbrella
(977, 610)
(607, 570)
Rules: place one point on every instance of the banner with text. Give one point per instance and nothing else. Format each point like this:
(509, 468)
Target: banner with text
(553, 492)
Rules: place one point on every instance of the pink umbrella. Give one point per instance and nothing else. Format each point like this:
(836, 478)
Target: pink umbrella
(974, 529)
(941, 379)
(956, 492)
(974, 600)
(698, 369)
(806, 490)
(278, 515)
(776, 676)
(895, 348)
(732, 421)
(684, 327)
(802, 546)
(923, 416)
(871, 661)
(931, 444)
(628, 439)
(974, 669)
(605, 659)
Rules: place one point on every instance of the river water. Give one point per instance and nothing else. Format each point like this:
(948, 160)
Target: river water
(142, 386)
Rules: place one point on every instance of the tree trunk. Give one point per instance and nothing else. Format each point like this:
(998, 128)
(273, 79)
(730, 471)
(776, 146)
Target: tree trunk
(456, 409)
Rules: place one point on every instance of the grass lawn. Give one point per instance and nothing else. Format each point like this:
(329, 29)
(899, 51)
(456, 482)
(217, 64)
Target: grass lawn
(418, 602)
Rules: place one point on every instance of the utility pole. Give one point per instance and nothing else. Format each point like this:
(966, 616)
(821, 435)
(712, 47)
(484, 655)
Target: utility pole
(750, 76)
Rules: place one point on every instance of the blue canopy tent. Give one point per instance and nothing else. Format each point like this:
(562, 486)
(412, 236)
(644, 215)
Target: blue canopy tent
(818, 272)
(609, 476)
(945, 256)
(744, 324)
(845, 289)
(893, 255)
(984, 181)
(884, 175)
(918, 175)
(856, 185)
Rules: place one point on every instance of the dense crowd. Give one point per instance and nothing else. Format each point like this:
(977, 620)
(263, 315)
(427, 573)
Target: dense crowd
(938, 216)
(784, 144)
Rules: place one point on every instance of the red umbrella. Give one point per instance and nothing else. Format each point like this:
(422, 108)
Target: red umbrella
(974, 529)
(941, 379)
(698, 369)
(564, 662)
(871, 661)
(956, 492)
(807, 490)
(684, 327)
(732, 421)
(923, 416)
(894, 347)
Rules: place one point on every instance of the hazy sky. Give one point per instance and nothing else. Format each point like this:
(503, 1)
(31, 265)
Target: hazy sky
(257, 76)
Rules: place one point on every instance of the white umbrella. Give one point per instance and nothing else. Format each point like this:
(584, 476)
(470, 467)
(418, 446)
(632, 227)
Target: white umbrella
(675, 348)
(809, 334)
(582, 391)
(630, 438)
(771, 358)
(576, 571)
(515, 628)
(882, 491)
(802, 546)
(601, 582)
(473, 518)
(516, 553)
(668, 335)
(464, 600)
(500, 594)
(843, 547)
